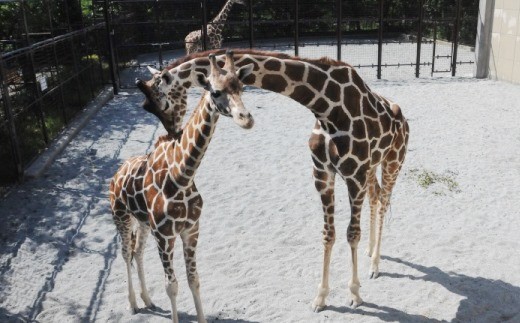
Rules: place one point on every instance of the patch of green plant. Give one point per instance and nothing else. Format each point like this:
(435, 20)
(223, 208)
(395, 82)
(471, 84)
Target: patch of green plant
(426, 178)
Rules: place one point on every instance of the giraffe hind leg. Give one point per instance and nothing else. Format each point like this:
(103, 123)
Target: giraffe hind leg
(389, 177)
(124, 223)
(189, 240)
(373, 190)
(141, 236)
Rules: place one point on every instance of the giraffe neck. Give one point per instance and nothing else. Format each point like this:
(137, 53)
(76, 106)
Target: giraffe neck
(185, 154)
(221, 18)
(317, 86)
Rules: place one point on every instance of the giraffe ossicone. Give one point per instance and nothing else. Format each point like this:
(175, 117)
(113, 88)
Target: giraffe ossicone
(156, 191)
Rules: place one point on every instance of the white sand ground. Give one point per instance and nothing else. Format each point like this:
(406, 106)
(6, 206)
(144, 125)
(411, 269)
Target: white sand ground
(448, 255)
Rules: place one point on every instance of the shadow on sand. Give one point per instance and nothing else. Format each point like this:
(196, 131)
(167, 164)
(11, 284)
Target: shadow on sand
(485, 300)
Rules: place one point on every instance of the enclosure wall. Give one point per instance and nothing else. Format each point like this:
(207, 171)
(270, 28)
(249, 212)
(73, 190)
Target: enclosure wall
(504, 63)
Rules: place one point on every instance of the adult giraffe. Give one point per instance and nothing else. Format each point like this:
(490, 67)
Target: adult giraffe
(193, 41)
(356, 131)
(157, 190)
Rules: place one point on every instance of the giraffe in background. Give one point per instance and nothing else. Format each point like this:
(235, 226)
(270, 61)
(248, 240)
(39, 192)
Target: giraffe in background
(356, 131)
(157, 190)
(194, 41)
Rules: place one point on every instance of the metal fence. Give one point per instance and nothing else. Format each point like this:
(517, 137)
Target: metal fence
(382, 39)
(45, 83)
(56, 55)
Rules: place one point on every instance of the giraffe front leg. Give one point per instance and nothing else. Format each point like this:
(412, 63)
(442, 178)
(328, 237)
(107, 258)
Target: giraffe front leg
(142, 234)
(190, 247)
(356, 190)
(165, 246)
(324, 182)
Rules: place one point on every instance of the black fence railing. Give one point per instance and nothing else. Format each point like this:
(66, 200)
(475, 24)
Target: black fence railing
(382, 38)
(43, 86)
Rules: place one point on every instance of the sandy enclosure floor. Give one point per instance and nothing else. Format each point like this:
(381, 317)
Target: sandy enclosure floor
(450, 243)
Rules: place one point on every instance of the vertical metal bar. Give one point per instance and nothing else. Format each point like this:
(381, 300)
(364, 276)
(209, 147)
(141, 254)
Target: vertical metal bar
(339, 18)
(156, 30)
(251, 41)
(296, 28)
(38, 92)
(15, 144)
(419, 39)
(456, 39)
(380, 39)
(204, 24)
(25, 25)
(434, 46)
(111, 56)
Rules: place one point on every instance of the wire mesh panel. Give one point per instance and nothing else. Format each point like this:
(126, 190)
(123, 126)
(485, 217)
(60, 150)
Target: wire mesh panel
(274, 25)
(359, 42)
(151, 33)
(317, 27)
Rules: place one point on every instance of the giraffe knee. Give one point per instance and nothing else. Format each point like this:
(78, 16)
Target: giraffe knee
(329, 236)
(353, 235)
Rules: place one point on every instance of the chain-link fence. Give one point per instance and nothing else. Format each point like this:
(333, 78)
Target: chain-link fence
(51, 66)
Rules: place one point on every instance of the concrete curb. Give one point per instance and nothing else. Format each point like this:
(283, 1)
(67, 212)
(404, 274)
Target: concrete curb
(42, 162)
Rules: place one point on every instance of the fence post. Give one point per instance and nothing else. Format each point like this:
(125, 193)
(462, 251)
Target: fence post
(204, 25)
(296, 28)
(111, 56)
(456, 39)
(380, 39)
(339, 18)
(251, 42)
(419, 39)
(15, 144)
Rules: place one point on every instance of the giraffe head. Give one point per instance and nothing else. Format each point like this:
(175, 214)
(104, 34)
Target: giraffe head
(165, 99)
(224, 89)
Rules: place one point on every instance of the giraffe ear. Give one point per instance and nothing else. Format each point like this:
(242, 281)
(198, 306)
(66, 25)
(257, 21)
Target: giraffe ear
(153, 70)
(245, 71)
(199, 79)
(167, 77)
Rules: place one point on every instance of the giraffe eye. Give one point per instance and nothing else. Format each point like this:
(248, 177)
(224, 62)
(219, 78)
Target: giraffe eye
(216, 94)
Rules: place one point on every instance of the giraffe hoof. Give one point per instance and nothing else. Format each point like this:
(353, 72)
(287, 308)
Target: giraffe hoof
(368, 252)
(318, 308)
(373, 274)
(355, 304)
(134, 310)
(151, 307)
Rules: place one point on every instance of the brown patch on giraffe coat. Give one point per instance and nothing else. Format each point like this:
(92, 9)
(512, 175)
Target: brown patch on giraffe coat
(184, 74)
(167, 228)
(340, 117)
(340, 75)
(360, 149)
(273, 82)
(320, 106)
(373, 128)
(351, 99)
(368, 110)
(376, 157)
(386, 122)
(294, 70)
(302, 94)
(348, 167)
(272, 65)
(333, 91)
(356, 79)
(316, 78)
(359, 129)
(317, 146)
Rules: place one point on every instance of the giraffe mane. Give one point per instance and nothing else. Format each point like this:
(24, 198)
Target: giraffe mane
(323, 61)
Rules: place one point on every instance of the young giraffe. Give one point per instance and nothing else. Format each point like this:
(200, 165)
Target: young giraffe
(157, 190)
(193, 40)
(356, 131)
